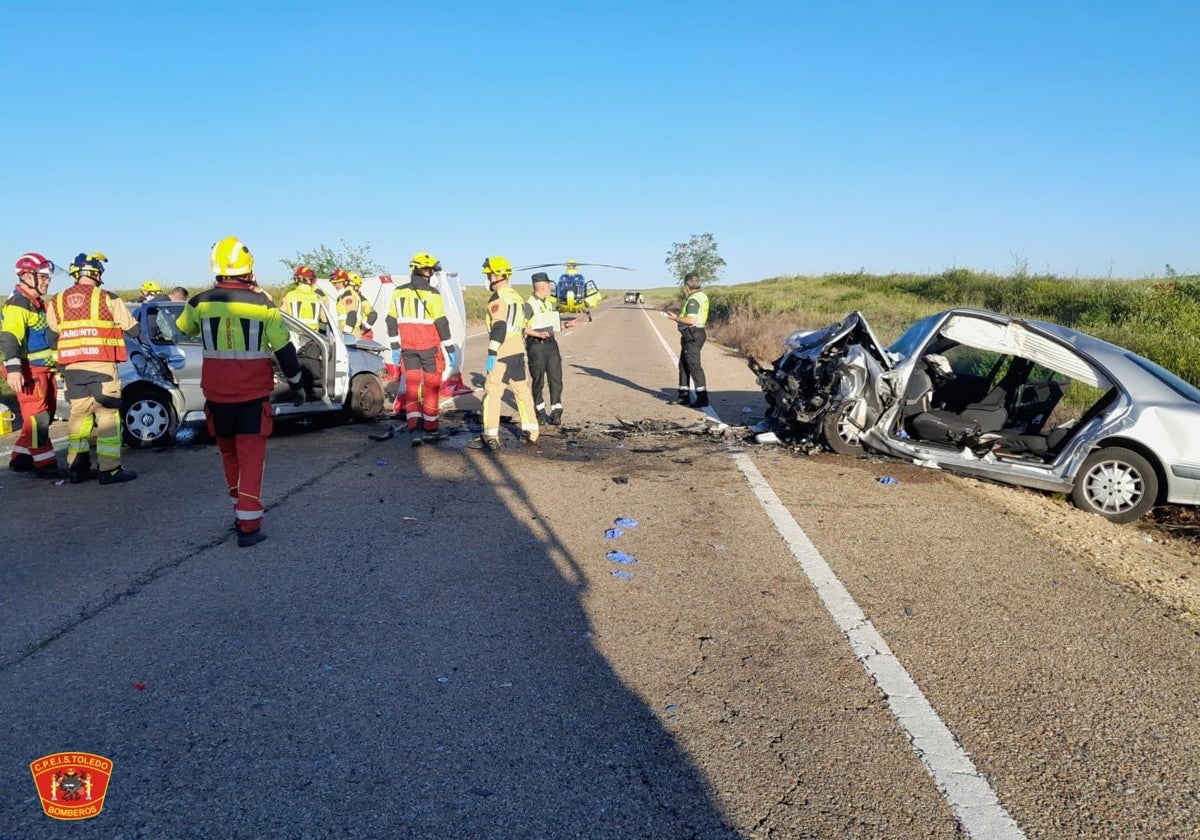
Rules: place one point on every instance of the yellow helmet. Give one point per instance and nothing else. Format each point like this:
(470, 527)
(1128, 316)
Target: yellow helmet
(230, 258)
(151, 288)
(422, 259)
(355, 279)
(497, 265)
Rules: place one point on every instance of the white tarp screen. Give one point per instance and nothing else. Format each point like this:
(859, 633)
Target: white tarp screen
(1015, 340)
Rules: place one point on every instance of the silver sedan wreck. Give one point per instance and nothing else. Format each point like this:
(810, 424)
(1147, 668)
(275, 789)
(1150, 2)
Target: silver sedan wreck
(986, 395)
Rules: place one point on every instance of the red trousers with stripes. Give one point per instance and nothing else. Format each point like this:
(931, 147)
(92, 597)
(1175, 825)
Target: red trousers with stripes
(422, 388)
(241, 431)
(36, 401)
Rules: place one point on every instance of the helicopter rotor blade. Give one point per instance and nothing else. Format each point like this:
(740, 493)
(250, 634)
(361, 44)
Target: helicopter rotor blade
(551, 265)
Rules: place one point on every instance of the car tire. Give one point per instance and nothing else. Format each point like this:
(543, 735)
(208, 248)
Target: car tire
(836, 432)
(365, 401)
(147, 417)
(1116, 483)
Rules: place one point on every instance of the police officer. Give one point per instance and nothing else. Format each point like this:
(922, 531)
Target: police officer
(242, 329)
(691, 320)
(541, 347)
(90, 325)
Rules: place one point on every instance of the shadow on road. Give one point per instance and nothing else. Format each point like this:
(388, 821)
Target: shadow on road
(407, 656)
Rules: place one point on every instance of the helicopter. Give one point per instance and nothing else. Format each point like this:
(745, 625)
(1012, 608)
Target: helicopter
(575, 293)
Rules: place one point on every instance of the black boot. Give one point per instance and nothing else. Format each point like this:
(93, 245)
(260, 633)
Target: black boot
(81, 469)
(21, 463)
(556, 417)
(118, 476)
(701, 400)
(684, 399)
(249, 538)
(52, 471)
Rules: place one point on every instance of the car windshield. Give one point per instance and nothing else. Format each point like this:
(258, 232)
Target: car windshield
(913, 337)
(1169, 379)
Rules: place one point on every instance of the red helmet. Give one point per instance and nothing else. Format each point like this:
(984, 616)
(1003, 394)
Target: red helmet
(340, 276)
(303, 272)
(34, 262)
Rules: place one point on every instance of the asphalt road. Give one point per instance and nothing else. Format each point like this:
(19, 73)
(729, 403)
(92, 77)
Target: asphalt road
(433, 643)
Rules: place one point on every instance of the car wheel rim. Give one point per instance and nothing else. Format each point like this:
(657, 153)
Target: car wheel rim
(1114, 487)
(146, 420)
(847, 431)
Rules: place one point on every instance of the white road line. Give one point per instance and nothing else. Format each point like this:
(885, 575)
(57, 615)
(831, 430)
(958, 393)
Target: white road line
(969, 795)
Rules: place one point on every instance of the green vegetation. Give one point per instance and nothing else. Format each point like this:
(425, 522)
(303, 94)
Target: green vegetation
(1156, 318)
(699, 254)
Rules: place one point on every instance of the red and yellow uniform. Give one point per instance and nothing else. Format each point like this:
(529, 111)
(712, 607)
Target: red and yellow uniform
(91, 324)
(507, 317)
(417, 316)
(241, 329)
(26, 349)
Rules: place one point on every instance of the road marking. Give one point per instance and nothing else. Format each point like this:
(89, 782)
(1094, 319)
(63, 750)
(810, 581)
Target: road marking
(968, 794)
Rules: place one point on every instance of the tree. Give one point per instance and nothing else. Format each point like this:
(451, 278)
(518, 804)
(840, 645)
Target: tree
(324, 260)
(699, 255)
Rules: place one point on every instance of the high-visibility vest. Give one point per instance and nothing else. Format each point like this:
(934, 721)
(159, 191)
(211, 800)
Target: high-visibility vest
(303, 302)
(86, 329)
(24, 319)
(417, 312)
(506, 307)
(545, 314)
(697, 305)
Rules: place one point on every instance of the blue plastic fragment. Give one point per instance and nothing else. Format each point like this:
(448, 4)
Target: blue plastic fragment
(626, 522)
(622, 574)
(381, 463)
(887, 479)
(621, 557)
(674, 707)
(613, 533)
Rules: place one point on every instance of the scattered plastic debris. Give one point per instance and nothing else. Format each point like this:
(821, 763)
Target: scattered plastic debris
(672, 709)
(747, 410)
(185, 434)
(926, 462)
(381, 463)
(1148, 539)
(766, 437)
(622, 574)
(60, 482)
(388, 435)
(140, 686)
(902, 435)
(443, 679)
(613, 533)
(408, 518)
(327, 667)
(887, 480)
(625, 522)
(621, 557)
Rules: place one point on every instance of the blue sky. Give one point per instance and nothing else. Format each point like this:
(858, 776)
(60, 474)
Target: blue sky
(807, 137)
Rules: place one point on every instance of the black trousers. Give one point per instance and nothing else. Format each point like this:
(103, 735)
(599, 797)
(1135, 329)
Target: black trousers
(690, 342)
(545, 362)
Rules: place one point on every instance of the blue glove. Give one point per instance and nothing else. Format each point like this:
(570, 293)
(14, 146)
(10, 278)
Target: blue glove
(491, 363)
(452, 358)
(395, 357)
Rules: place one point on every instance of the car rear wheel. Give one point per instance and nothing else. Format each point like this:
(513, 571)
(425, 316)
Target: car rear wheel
(1116, 483)
(147, 417)
(839, 433)
(365, 401)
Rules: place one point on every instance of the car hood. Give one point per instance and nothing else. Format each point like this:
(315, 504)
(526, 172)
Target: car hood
(853, 329)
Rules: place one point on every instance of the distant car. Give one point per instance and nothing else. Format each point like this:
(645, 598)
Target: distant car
(980, 393)
(160, 382)
(633, 297)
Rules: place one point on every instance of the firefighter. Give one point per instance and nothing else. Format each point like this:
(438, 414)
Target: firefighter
(340, 280)
(691, 321)
(541, 346)
(417, 317)
(507, 317)
(242, 329)
(303, 302)
(29, 366)
(361, 316)
(150, 292)
(90, 326)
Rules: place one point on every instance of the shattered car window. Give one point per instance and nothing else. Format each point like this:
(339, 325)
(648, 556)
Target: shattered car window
(909, 342)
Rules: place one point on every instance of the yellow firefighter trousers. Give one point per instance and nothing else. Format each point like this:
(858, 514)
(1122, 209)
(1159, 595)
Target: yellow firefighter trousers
(509, 372)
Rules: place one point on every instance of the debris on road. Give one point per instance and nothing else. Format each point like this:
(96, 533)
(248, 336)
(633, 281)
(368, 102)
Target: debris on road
(613, 533)
(625, 522)
(623, 575)
(620, 479)
(887, 480)
(621, 557)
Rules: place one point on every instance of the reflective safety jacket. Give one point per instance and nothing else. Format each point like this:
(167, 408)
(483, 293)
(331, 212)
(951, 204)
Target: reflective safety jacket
(696, 306)
(362, 318)
(507, 317)
(24, 335)
(303, 302)
(240, 330)
(90, 324)
(544, 314)
(417, 316)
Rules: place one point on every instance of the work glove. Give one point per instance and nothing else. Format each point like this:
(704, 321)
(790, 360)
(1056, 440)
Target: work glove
(451, 358)
(395, 357)
(490, 363)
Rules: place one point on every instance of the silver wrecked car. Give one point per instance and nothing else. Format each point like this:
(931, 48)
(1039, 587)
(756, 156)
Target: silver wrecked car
(160, 381)
(981, 393)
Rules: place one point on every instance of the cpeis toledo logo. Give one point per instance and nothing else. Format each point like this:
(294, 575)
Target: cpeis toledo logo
(71, 785)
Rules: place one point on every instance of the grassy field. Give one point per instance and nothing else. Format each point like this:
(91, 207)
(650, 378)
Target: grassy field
(1156, 318)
